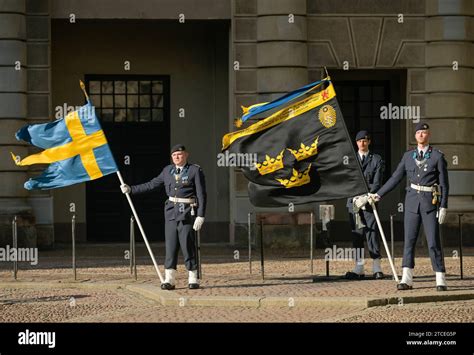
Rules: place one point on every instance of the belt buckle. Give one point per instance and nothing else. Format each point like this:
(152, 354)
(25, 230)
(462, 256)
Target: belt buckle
(419, 188)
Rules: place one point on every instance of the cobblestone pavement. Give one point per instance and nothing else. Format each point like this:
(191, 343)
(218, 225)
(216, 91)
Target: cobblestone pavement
(38, 304)
(458, 312)
(119, 305)
(48, 293)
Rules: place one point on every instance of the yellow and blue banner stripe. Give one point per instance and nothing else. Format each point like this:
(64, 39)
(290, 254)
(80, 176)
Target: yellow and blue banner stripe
(254, 110)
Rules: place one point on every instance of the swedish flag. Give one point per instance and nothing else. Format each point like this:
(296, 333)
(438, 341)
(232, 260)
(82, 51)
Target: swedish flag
(74, 146)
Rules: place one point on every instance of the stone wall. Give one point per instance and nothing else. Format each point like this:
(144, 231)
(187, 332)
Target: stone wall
(24, 98)
(431, 41)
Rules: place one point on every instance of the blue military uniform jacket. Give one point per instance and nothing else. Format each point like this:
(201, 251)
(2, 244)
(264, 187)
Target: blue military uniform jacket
(373, 169)
(431, 170)
(189, 183)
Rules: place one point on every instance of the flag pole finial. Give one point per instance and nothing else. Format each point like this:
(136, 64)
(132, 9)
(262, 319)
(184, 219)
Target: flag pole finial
(327, 74)
(83, 88)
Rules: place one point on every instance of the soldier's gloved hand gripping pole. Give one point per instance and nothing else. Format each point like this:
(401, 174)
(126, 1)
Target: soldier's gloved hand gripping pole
(126, 191)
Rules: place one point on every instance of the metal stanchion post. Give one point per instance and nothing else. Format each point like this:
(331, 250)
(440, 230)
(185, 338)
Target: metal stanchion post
(73, 230)
(311, 240)
(262, 263)
(131, 244)
(133, 259)
(326, 215)
(15, 246)
(392, 240)
(328, 226)
(249, 226)
(460, 244)
(134, 256)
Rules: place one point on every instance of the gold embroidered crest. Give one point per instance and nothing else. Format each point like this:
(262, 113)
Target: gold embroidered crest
(327, 116)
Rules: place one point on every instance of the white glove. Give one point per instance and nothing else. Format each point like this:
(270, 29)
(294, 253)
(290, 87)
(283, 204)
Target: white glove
(360, 201)
(442, 215)
(125, 189)
(374, 197)
(198, 223)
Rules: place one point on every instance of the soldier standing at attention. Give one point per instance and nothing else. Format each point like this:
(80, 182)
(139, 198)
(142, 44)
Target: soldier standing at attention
(186, 188)
(426, 203)
(373, 168)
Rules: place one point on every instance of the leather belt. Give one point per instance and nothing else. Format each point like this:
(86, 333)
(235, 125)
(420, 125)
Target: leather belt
(182, 200)
(421, 188)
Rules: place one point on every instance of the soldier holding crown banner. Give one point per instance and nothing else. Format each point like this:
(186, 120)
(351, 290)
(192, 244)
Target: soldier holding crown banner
(426, 203)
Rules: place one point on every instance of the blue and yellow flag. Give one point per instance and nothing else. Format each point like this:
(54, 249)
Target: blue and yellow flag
(74, 146)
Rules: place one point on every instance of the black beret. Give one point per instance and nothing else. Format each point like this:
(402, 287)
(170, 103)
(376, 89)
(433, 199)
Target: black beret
(421, 125)
(178, 148)
(362, 135)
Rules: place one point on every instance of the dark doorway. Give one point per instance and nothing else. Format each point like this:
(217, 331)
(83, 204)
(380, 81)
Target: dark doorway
(360, 94)
(135, 112)
(360, 103)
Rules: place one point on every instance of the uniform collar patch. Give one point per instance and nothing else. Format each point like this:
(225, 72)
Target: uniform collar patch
(425, 157)
(184, 169)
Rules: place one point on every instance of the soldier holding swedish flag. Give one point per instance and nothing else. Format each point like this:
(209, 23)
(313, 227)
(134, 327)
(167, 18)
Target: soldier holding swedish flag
(186, 189)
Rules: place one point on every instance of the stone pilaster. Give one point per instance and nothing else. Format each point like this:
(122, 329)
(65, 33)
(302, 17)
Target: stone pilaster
(282, 53)
(13, 114)
(450, 94)
(38, 30)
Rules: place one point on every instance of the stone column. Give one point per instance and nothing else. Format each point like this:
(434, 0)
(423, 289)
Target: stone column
(449, 105)
(243, 92)
(13, 114)
(38, 28)
(270, 51)
(282, 53)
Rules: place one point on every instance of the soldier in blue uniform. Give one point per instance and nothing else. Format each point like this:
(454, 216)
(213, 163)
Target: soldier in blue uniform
(426, 203)
(186, 188)
(373, 168)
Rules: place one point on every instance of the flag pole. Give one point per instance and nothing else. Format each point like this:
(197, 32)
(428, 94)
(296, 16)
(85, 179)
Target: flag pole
(382, 234)
(83, 88)
(129, 199)
(379, 225)
(130, 202)
(327, 74)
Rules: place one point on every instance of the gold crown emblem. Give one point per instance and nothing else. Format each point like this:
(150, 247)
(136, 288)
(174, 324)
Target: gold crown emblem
(297, 179)
(269, 165)
(305, 151)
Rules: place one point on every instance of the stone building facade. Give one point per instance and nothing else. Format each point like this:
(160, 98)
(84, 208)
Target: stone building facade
(245, 51)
